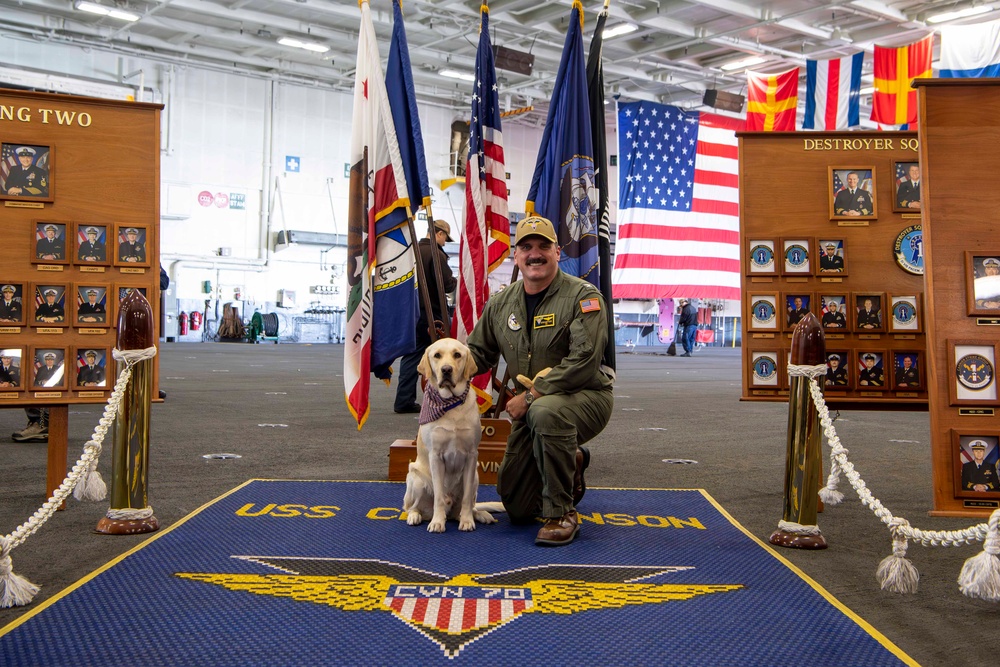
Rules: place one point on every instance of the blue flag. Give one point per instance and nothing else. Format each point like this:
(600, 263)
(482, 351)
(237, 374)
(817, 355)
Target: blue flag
(595, 88)
(396, 306)
(564, 188)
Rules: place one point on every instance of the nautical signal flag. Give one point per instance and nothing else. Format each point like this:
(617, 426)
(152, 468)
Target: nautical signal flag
(895, 101)
(833, 93)
(771, 101)
(970, 51)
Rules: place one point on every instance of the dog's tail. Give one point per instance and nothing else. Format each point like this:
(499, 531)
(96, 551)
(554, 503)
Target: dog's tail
(491, 507)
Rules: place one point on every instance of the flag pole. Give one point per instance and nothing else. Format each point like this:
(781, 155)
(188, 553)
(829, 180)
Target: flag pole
(422, 285)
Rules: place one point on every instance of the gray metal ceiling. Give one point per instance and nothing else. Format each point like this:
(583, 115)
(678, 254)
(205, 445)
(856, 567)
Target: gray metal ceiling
(674, 55)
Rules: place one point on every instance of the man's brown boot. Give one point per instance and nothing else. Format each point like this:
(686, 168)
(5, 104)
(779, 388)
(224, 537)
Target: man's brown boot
(557, 532)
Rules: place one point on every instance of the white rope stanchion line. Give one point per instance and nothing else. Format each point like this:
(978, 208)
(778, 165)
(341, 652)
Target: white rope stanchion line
(895, 572)
(15, 590)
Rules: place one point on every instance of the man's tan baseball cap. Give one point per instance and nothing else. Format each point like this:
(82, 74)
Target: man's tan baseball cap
(444, 227)
(535, 225)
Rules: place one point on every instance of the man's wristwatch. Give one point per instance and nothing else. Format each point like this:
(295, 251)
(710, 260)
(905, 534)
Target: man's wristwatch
(528, 397)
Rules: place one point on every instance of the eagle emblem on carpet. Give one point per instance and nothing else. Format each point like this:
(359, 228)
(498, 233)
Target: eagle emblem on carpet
(454, 611)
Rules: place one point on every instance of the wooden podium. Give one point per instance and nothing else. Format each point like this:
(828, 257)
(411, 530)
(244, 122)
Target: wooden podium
(957, 127)
(491, 449)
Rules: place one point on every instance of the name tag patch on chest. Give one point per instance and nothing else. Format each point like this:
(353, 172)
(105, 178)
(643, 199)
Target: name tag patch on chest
(543, 321)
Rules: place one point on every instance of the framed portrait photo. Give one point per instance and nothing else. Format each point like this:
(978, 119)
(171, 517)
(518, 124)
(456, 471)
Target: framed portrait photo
(905, 313)
(762, 311)
(907, 371)
(833, 312)
(90, 244)
(123, 291)
(92, 308)
(868, 316)
(906, 196)
(852, 193)
(48, 242)
(982, 276)
(838, 370)
(48, 369)
(832, 257)
(976, 456)
(870, 368)
(760, 257)
(29, 172)
(797, 256)
(91, 368)
(12, 307)
(48, 305)
(765, 369)
(11, 368)
(131, 245)
(794, 306)
(973, 380)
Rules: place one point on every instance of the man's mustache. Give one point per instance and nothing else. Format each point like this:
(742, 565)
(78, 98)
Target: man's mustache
(536, 260)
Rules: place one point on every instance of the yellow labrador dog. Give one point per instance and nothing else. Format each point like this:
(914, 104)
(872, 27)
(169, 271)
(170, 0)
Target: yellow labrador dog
(443, 481)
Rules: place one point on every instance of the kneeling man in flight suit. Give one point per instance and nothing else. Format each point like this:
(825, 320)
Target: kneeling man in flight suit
(547, 320)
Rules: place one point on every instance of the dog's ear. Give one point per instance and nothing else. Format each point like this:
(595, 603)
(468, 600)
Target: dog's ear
(471, 368)
(424, 367)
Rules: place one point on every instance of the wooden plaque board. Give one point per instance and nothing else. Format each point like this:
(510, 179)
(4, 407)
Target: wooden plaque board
(787, 190)
(103, 172)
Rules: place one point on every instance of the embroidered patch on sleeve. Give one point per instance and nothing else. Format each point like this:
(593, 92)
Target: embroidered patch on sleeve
(590, 305)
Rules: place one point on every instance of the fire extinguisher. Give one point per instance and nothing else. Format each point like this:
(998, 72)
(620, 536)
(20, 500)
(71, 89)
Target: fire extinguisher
(182, 321)
(195, 321)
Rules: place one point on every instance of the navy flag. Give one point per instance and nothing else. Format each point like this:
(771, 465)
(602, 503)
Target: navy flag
(564, 187)
(595, 90)
(396, 302)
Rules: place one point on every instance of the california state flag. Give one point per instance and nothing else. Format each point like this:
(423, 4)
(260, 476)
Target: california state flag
(377, 180)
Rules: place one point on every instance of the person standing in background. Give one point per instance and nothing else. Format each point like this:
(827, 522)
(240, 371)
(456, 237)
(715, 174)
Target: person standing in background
(688, 324)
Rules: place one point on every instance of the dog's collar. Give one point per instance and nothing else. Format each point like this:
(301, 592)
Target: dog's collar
(434, 405)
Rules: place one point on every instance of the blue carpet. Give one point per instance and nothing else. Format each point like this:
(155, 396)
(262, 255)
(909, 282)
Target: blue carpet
(326, 573)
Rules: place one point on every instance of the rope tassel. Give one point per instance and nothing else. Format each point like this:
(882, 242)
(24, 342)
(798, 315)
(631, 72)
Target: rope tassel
(15, 590)
(896, 573)
(980, 576)
(92, 486)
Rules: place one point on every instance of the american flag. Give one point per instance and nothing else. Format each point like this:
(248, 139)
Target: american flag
(485, 239)
(7, 162)
(678, 204)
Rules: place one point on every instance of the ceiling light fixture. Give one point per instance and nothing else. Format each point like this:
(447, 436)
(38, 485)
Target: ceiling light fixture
(743, 63)
(110, 12)
(620, 29)
(454, 74)
(299, 44)
(960, 14)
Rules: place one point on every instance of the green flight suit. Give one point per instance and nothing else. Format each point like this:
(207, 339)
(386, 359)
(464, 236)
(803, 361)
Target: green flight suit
(567, 334)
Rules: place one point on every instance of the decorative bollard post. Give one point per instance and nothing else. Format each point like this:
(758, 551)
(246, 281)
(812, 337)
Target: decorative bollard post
(129, 512)
(798, 529)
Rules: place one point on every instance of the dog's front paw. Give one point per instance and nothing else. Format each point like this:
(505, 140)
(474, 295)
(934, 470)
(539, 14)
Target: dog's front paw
(466, 523)
(414, 518)
(436, 526)
(482, 516)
